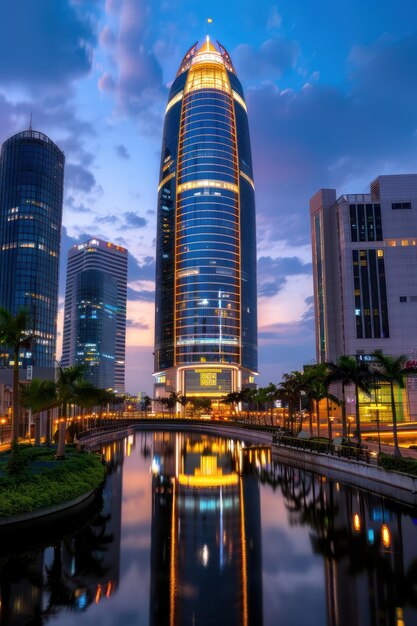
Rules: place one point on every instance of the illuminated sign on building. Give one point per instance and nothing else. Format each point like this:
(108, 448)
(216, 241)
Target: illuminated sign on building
(206, 382)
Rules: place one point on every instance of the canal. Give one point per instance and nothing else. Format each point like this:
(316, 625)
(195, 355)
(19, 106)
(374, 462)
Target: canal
(199, 530)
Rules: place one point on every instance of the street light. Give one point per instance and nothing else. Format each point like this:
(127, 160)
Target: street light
(2, 421)
(350, 422)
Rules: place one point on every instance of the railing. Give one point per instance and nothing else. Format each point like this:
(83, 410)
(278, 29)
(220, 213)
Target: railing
(351, 452)
(279, 436)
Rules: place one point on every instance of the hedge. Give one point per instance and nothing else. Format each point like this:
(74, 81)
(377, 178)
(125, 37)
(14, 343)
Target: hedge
(395, 464)
(54, 484)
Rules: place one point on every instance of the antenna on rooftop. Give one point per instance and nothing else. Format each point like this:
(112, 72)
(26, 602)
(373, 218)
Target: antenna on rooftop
(30, 122)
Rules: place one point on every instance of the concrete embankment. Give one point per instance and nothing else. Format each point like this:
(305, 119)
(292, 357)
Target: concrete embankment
(369, 476)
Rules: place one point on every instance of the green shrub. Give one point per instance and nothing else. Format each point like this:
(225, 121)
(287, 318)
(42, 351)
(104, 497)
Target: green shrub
(59, 482)
(395, 464)
(17, 460)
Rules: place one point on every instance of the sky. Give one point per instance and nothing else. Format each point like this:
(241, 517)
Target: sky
(331, 91)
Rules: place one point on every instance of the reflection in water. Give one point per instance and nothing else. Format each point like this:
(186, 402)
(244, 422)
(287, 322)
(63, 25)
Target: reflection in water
(368, 544)
(206, 533)
(205, 553)
(75, 563)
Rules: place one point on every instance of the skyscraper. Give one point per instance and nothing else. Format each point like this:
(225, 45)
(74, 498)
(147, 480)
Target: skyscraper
(31, 192)
(365, 281)
(206, 315)
(95, 312)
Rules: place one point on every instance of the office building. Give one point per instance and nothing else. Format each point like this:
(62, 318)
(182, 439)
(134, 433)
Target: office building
(95, 312)
(31, 192)
(365, 274)
(206, 316)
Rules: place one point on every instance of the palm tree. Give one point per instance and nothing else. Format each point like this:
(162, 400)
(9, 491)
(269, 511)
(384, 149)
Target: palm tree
(233, 398)
(349, 371)
(14, 335)
(39, 395)
(392, 370)
(68, 388)
(146, 403)
(290, 390)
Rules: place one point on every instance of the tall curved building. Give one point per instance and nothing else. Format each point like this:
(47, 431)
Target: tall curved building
(31, 195)
(206, 315)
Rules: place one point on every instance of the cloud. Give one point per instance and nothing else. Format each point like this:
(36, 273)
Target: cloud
(47, 47)
(274, 19)
(296, 332)
(79, 178)
(273, 273)
(307, 139)
(138, 88)
(107, 37)
(122, 151)
(106, 83)
(141, 271)
(140, 324)
(271, 60)
(142, 294)
(133, 220)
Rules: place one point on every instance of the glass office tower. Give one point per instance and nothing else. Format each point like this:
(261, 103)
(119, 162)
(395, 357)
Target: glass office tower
(206, 317)
(95, 312)
(31, 192)
(96, 319)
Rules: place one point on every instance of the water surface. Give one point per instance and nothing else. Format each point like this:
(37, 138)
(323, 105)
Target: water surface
(196, 530)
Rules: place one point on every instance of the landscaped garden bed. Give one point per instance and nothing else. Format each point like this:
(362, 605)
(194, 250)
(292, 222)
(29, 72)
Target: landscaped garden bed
(32, 479)
(395, 464)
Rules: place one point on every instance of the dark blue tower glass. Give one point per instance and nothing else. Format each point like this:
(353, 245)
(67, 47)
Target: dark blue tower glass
(96, 313)
(206, 313)
(31, 192)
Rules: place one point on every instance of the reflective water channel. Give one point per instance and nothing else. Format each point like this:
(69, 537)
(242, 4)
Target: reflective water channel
(193, 530)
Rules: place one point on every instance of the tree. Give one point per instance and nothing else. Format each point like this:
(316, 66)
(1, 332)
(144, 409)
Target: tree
(68, 392)
(392, 370)
(39, 395)
(349, 371)
(146, 403)
(14, 335)
(290, 390)
(233, 398)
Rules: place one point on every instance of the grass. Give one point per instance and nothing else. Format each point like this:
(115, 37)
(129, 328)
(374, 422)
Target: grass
(41, 481)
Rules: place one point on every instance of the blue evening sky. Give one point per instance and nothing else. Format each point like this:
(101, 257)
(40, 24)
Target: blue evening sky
(331, 89)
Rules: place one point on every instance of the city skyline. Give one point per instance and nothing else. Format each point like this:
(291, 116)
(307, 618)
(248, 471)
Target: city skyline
(101, 96)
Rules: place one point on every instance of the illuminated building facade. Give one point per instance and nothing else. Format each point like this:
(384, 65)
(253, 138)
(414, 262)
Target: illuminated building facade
(95, 312)
(206, 316)
(31, 192)
(365, 284)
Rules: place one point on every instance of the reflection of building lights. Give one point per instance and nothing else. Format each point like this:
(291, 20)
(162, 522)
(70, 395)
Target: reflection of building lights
(386, 536)
(356, 522)
(109, 589)
(400, 616)
(204, 555)
(81, 599)
(371, 536)
(208, 481)
(98, 593)
(156, 465)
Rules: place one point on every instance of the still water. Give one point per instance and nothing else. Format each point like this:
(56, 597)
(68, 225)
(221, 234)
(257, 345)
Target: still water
(194, 530)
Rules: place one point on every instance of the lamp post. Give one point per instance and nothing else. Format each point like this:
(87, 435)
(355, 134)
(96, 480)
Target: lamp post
(350, 421)
(2, 421)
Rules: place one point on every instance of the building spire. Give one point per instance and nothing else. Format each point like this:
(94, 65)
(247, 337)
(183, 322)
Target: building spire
(30, 121)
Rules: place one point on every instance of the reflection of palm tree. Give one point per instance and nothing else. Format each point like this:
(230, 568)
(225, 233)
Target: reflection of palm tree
(57, 583)
(317, 507)
(12, 571)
